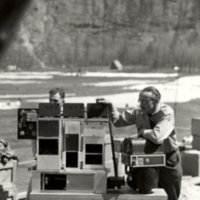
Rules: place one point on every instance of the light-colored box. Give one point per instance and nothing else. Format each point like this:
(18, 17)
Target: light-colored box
(196, 126)
(80, 183)
(72, 127)
(49, 162)
(196, 142)
(109, 157)
(118, 144)
(191, 162)
(100, 181)
(87, 181)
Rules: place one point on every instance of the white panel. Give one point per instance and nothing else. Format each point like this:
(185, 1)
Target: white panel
(35, 181)
(80, 182)
(72, 127)
(100, 182)
(94, 129)
(49, 162)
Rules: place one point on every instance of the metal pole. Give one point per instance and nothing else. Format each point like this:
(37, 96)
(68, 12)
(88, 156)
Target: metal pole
(176, 68)
(113, 149)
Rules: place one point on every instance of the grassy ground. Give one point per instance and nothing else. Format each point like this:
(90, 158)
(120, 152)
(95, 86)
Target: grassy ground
(8, 122)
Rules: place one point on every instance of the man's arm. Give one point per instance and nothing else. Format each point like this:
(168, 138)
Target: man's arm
(119, 120)
(127, 118)
(161, 131)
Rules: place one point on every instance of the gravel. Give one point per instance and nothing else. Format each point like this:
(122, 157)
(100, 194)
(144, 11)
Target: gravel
(189, 191)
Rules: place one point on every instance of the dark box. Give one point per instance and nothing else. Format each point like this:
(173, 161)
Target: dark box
(73, 110)
(49, 110)
(71, 142)
(48, 147)
(53, 182)
(72, 159)
(48, 128)
(97, 110)
(27, 123)
(140, 146)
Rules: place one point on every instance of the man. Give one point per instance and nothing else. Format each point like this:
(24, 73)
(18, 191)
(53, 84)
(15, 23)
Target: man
(155, 122)
(57, 95)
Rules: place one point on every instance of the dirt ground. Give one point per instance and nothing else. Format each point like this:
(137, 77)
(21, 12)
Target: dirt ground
(189, 191)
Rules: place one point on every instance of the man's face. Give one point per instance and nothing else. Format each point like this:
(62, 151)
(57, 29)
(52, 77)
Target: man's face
(147, 102)
(56, 98)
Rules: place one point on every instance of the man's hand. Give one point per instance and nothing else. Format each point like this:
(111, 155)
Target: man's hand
(143, 132)
(102, 100)
(109, 103)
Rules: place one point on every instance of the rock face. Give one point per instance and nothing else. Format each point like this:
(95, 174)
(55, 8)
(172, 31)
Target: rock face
(76, 33)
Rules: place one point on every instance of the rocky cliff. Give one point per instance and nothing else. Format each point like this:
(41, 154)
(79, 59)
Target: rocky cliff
(81, 33)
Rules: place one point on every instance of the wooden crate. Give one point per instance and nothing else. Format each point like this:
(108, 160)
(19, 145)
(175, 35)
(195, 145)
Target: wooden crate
(196, 126)
(191, 162)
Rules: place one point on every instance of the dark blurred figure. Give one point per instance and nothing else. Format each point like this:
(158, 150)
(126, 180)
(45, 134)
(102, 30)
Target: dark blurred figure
(11, 13)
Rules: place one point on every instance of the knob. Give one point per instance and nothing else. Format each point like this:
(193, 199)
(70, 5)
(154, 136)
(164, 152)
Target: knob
(147, 160)
(133, 163)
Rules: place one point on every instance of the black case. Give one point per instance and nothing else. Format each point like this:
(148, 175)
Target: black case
(140, 146)
(49, 110)
(97, 110)
(73, 110)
